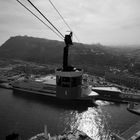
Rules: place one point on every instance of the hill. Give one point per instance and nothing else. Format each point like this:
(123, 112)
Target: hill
(31, 49)
(93, 57)
(45, 51)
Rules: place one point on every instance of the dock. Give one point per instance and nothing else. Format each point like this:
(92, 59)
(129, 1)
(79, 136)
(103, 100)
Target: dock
(133, 133)
(115, 95)
(134, 108)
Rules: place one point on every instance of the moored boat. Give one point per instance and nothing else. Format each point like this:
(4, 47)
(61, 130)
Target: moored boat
(71, 135)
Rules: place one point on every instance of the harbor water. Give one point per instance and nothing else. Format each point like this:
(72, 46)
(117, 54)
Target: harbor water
(27, 114)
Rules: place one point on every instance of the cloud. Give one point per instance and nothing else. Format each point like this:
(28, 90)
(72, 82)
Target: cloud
(105, 21)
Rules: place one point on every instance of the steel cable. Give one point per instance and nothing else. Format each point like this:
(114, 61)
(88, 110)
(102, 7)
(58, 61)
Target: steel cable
(39, 19)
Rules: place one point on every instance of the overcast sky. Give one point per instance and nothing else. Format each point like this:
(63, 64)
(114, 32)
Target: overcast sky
(93, 21)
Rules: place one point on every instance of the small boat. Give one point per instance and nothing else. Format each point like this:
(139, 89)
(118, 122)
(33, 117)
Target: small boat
(72, 135)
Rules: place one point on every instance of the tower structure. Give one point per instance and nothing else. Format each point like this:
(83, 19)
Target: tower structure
(68, 78)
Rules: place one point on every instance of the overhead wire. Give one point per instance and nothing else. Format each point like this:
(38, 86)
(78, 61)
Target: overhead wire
(39, 19)
(45, 18)
(60, 15)
(63, 19)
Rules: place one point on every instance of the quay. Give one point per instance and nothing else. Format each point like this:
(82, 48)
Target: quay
(134, 108)
(133, 133)
(116, 95)
(130, 97)
(112, 94)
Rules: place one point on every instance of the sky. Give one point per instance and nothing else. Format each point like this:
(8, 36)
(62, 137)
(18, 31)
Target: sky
(109, 22)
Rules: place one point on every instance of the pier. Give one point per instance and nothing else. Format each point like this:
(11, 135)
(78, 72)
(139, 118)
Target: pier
(133, 133)
(115, 95)
(134, 108)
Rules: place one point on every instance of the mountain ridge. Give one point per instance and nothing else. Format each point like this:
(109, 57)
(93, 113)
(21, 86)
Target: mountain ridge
(51, 52)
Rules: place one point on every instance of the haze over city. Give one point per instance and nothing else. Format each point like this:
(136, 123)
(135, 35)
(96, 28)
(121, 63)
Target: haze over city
(109, 22)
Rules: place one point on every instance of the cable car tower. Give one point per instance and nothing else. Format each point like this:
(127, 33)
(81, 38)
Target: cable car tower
(68, 78)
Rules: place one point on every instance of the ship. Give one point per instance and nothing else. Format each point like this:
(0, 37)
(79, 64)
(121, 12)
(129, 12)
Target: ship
(67, 83)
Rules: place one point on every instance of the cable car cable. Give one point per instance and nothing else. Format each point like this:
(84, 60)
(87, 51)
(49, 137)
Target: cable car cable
(39, 18)
(45, 18)
(63, 19)
(60, 15)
